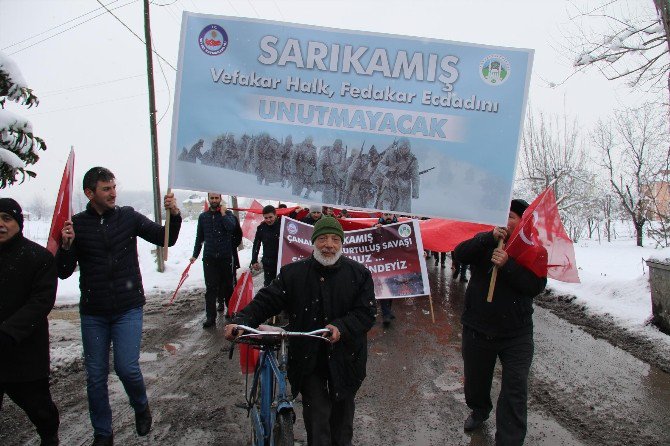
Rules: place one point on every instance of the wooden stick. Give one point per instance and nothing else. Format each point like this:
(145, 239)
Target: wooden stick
(432, 313)
(494, 275)
(166, 240)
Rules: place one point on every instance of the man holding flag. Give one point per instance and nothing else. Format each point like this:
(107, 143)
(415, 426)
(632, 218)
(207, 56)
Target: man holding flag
(103, 241)
(500, 328)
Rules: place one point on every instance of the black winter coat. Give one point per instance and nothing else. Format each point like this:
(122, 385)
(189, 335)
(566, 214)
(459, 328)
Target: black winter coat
(309, 220)
(343, 295)
(221, 235)
(268, 236)
(28, 284)
(105, 246)
(511, 311)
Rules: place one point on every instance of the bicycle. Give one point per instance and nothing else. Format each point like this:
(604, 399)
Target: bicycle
(269, 405)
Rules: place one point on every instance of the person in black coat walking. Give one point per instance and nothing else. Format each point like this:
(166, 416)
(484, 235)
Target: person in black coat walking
(267, 234)
(28, 282)
(386, 304)
(221, 233)
(502, 328)
(103, 241)
(328, 290)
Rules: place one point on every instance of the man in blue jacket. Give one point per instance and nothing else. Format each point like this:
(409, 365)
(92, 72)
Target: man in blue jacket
(112, 296)
(221, 233)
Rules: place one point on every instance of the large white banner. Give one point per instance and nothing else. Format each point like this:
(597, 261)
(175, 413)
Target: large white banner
(350, 119)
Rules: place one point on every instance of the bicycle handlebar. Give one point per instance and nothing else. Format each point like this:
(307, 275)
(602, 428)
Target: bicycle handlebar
(280, 332)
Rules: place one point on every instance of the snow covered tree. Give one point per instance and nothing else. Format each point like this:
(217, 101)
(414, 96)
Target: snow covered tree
(552, 153)
(635, 156)
(635, 45)
(18, 145)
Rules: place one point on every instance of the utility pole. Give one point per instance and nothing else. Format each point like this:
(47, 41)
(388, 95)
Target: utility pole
(154, 135)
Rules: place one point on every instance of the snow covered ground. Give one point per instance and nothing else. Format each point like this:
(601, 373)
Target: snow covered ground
(614, 275)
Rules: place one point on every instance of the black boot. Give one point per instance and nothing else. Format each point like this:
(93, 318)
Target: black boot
(209, 322)
(50, 440)
(143, 421)
(101, 440)
(472, 423)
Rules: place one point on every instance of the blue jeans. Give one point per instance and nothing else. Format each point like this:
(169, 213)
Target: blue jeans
(124, 332)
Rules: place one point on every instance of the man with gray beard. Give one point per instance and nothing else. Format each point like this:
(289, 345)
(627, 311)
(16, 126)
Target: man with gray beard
(324, 290)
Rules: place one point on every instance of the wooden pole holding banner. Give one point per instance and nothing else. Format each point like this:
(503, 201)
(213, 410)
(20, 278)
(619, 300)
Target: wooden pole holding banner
(432, 313)
(494, 275)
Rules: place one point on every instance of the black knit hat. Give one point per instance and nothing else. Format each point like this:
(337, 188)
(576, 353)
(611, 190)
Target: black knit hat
(11, 207)
(518, 206)
(327, 225)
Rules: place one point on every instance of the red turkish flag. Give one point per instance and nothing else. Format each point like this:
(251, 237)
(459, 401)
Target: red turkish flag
(442, 235)
(242, 295)
(540, 242)
(252, 220)
(63, 207)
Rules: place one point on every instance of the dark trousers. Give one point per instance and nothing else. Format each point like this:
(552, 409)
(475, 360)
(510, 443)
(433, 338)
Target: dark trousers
(328, 422)
(439, 256)
(269, 273)
(386, 305)
(479, 358)
(219, 283)
(34, 398)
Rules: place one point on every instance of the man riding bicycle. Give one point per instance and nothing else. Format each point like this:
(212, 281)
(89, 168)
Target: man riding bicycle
(328, 290)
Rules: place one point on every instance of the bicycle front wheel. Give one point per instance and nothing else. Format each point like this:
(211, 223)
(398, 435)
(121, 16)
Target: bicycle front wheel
(283, 429)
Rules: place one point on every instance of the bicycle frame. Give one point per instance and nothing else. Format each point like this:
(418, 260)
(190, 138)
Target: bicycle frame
(270, 375)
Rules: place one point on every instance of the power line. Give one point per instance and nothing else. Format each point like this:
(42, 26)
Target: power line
(63, 31)
(82, 87)
(164, 4)
(57, 26)
(90, 105)
(167, 84)
(133, 32)
(252, 7)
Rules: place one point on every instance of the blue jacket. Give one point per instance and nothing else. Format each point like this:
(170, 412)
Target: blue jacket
(105, 246)
(221, 235)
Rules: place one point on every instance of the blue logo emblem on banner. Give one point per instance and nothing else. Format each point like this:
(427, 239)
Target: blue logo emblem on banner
(213, 40)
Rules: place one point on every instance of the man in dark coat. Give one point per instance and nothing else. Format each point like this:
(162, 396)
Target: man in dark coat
(28, 282)
(386, 305)
(328, 290)
(315, 213)
(221, 233)
(267, 234)
(501, 329)
(112, 296)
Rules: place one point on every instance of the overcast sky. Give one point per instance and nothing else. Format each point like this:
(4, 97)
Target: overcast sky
(91, 78)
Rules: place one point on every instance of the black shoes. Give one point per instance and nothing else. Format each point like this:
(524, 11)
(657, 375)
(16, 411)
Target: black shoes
(386, 321)
(51, 440)
(463, 278)
(472, 423)
(101, 440)
(209, 323)
(143, 422)
(221, 307)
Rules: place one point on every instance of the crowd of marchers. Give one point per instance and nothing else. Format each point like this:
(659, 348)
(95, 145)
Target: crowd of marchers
(326, 289)
(374, 178)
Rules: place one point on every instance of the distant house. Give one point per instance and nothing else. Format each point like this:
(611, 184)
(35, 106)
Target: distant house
(194, 205)
(658, 193)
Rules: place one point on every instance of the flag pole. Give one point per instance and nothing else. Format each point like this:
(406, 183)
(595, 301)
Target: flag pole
(432, 313)
(494, 275)
(166, 239)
